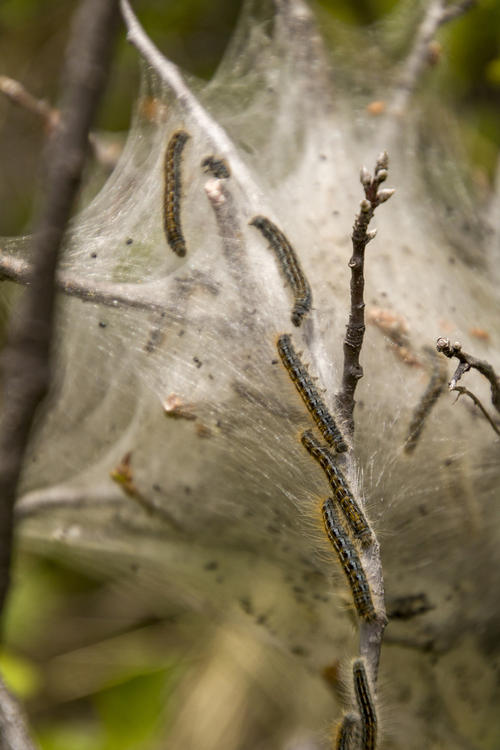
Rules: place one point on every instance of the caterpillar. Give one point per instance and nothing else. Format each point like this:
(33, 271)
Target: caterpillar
(346, 732)
(290, 266)
(172, 194)
(341, 491)
(302, 380)
(350, 562)
(218, 167)
(366, 706)
(435, 388)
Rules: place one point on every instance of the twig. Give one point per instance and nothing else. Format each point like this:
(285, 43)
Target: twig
(19, 95)
(52, 498)
(14, 734)
(468, 362)
(26, 358)
(435, 388)
(436, 15)
(149, 296)
(170, 74)
(356, 327)
(465, 392)
(104, 153)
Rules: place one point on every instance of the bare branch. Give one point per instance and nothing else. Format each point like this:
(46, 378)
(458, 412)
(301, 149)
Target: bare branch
(170, 74)
(26, 358)
(104, 153)
(466, 363)
(19, 95)
(356, 327)
(14, 734)
(111, 295)
(465, 392)
(437, 14)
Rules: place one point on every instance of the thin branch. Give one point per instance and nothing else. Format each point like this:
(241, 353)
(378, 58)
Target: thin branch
(27, 354)
(53, 498)
(437, 14)
(170, 75)
(14, 734)
(104, 153)
(19, 95)
(468, 362)
(465, 392)
(109, 294)
(356, 327)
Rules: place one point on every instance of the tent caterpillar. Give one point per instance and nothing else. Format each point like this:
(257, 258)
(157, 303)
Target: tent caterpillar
(290, 266)
(366, 706)
(346, 732)
(350, 562)
(217, 167)
(172, 194)
(302, 380)
(341, 490)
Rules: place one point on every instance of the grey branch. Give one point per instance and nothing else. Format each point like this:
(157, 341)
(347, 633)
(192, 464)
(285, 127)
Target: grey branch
(26, 360)
(437, 14)
(468, 362)
(171, 76)
(353, 341)
(14, 734)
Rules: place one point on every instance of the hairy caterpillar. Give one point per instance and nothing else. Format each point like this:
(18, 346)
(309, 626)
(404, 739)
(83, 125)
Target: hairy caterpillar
(172, 194)
(290, 266)
(366, 706)
(346, 732)
(341, 491)
(218, 167)
(299, 375)
(350, 562)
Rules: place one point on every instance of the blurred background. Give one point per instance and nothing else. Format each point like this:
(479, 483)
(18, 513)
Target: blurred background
(58, 616)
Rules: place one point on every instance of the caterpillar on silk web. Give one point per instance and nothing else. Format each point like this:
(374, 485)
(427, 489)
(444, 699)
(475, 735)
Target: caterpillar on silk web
(217, 167)
(366, 706)
(172, 194)
(341, 491)
(346, 732)
(350, 562)
(290, 266)
(302, 380)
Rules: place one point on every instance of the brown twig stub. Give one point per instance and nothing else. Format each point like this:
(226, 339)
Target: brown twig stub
(26, 357)
(356, 326)
(468, 362)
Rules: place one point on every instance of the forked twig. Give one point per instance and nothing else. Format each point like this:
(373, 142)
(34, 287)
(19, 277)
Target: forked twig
(356, 326)
(468, 362)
